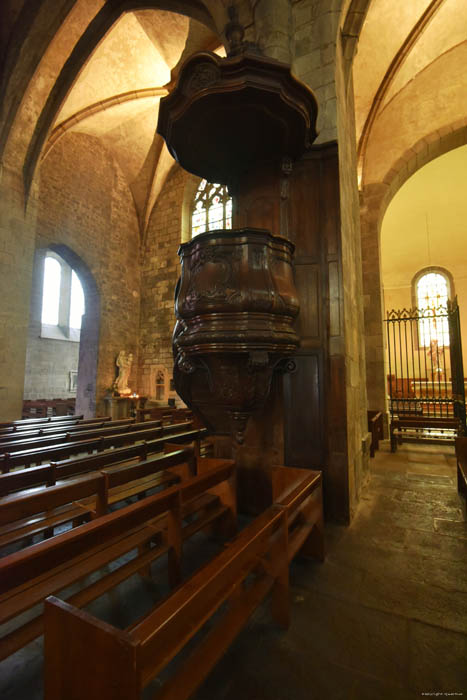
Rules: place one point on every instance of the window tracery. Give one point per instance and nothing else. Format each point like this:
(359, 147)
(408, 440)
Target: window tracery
(212, 208)
(433, 291)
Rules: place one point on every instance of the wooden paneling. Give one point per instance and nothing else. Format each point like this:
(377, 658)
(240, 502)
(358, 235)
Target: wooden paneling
(334, 299)
(308, 283)
(304, 223)
(304, 426)
(314, 395)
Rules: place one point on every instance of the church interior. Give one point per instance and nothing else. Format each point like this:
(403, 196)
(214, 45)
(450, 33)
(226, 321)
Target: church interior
(232, 395)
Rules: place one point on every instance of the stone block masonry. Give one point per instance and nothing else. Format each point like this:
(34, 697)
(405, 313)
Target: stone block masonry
(85, 204)
(160, 271)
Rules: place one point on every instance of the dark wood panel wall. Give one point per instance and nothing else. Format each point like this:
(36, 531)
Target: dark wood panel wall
(307, 204)
(315, 394)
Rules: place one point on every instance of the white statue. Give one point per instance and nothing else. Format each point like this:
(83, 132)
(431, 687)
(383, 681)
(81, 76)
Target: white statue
(123, 363)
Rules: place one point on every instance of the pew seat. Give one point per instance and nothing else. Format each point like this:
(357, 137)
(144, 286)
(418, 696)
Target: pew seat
(426, 429)
(224, 592)
(57, 471)
(154, 526)
(37, 512)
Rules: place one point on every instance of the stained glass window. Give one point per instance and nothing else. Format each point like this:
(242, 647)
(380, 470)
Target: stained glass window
(432, 300)
(212, 208)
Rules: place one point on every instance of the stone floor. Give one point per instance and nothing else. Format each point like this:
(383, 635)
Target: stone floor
(385, 617)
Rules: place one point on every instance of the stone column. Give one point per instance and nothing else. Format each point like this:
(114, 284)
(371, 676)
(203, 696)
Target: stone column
(372, 295)
(17, 243)
(273, 20)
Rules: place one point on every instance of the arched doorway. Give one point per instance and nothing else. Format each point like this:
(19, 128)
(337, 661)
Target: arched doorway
(423, 249)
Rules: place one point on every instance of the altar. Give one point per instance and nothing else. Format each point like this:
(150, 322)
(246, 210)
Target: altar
(118, 407)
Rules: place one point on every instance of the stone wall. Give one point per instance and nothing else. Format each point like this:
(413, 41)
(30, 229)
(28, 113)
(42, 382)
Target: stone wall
(314, 31)
(85, 205)
(356, 396)
(160, 271)
(16, 262)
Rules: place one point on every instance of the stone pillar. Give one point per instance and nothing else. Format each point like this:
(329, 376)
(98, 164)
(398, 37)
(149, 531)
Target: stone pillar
(273, 20)
(17, 243)
(371, 199)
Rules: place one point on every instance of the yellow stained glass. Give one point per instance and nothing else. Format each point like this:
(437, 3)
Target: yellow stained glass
(432, 300)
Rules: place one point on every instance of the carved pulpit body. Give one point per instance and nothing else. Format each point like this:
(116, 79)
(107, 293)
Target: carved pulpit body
(240, 121)
(235, 305)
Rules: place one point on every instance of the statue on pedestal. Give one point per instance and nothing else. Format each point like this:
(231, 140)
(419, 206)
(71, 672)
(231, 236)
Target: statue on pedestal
(123, 362)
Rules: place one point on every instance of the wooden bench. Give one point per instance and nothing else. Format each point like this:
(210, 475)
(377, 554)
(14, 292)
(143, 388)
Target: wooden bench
(62, 428)
(461, 455)
(226, 591)
(63, 450)
(42, 407)
(19, 431)
(426, 429)
(56, 471)
(375, 428)
(34, 421)
(154, 526)
(87, 432)
(166, 414)
(38, 512)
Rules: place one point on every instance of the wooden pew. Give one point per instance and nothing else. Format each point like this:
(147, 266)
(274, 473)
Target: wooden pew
(37, 512)
(461, 455)
(375, 427)
(65, 424)
(26, 457)
(130, 659)
(33, 421)
(56, 430)
(41, 407)
(426, 429)
(56, 471)
(87, 432)
(154, 526)
(165, 413)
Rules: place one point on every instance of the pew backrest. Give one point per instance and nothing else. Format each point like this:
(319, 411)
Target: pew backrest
(49, 474)
(62, 428)
(146, 648)
(40, 559)
(37, 455)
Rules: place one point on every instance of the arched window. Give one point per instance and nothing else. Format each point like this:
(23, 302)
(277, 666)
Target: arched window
(62, 300)
(76, 301)
(212, 208)
(433, 290)
(51, 291)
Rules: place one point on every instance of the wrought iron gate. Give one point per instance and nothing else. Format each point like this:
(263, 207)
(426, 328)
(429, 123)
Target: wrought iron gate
(424, 352)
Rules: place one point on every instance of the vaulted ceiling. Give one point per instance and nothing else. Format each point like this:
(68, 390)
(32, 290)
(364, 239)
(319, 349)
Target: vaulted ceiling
(410, 80)
(116, 95)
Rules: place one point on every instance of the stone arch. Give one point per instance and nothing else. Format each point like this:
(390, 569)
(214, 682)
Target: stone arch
(375, 199)
(353, 15)
(431, 146)
(89, 341)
